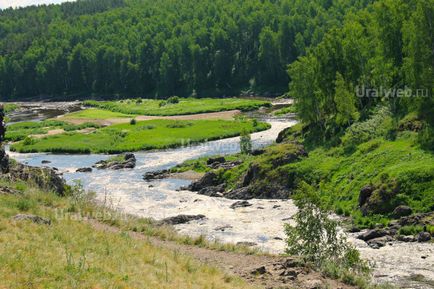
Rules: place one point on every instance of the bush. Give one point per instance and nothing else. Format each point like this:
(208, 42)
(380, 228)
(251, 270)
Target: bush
(379, 125)
(133, 121)
(173, 100)
(316, 237)
(245, 142)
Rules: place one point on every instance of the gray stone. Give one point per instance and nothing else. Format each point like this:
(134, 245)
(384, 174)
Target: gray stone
(240, 204)
(372, 234)
(181, 219)
(423, 237)
(32, 218)
(84, 170)
(402, 211)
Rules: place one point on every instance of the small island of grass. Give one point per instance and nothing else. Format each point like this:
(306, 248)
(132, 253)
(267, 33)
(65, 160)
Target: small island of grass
(143, 135)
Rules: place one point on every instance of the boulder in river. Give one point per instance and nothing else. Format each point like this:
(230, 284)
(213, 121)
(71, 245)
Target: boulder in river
(240, 204)
(84, 170)
(128, 161)
(213, 191)
(181, 219)
(208, 180)
(156, 175)
(372, 234)
(377, 243)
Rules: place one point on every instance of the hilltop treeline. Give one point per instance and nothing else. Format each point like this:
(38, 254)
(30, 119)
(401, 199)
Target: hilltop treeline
(160, 48)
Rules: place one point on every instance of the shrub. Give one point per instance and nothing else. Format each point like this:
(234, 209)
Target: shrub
(133, 121)
(162, 103)
(316, 237)
(173, 100)
(379, 125)
(245, 142)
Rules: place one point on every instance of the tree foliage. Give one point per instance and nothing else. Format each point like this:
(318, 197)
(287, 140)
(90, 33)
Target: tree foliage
(159, 48)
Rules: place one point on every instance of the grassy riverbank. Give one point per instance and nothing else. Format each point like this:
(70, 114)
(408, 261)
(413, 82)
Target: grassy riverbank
(71, 253)
(181, 106)
(399, 171)
(144, 135)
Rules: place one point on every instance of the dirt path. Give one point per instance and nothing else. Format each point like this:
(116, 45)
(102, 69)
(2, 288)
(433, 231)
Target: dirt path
(263, 271)
(225, 115)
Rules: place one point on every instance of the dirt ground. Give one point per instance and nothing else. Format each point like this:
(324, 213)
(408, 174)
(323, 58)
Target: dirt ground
(262, 271)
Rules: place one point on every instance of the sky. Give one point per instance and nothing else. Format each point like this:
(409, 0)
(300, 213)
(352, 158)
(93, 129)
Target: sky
(22, 3)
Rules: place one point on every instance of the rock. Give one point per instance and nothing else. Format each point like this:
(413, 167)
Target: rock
(162, 174)
(403, 238)
(208, 180)
(4, 161)
(421, 219)
(402, 211)
(216, 160)
(259, 271)
(257, 152)
(240, 204)
(45, 162)
(45, 178)
(32, 218)
(84, 170)
(423, 237)
(128, 162)
(247, 244)
(364, 194)
(276, 206)
(181, 219)
(377, 243)
(8, 191)
(243, 193)
(213, 191)
(372, 234)
(313, 284)
(277, 238)
(223, 228)
(354, 230)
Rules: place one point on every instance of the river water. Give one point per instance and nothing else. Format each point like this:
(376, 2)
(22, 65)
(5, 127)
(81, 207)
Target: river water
(262, 223)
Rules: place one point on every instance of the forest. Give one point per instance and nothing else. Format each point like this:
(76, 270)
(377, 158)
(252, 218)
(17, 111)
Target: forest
(159, 48)
(340, 58)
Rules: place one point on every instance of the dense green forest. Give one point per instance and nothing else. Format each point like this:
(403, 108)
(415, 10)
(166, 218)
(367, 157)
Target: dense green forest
(160, 48)
(382, 55)
(333, 54)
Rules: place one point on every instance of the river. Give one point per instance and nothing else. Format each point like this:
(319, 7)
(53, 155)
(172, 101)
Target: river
(262, 223)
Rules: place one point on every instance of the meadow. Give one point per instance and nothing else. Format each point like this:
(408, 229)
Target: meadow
(21, 130)
(136, 136)
(71, 253)
(177, 106)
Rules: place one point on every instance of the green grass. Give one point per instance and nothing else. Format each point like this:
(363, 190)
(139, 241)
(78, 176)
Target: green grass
(184, 107)
(70, 253)
(94, 113)
(21, 130)
(145, 135)
(339, 175)
(10, 107)
(285, 110)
